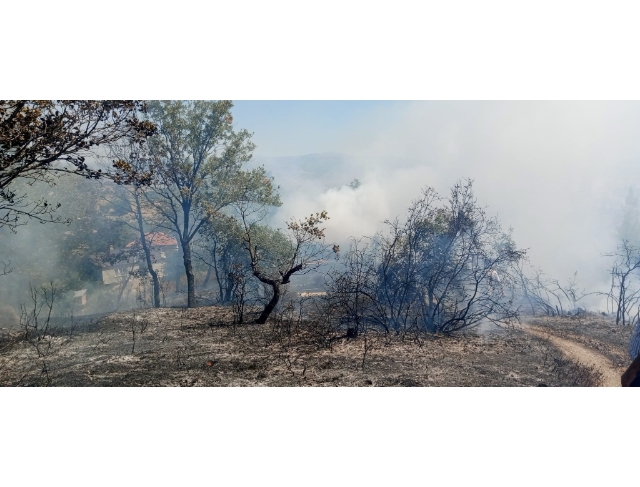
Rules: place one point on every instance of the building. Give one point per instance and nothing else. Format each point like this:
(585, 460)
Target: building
(161, 245)
(158, 242)
(80, 297)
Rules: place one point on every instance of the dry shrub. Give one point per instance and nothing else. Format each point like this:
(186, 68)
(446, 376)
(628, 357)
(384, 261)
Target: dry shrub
(577, 374)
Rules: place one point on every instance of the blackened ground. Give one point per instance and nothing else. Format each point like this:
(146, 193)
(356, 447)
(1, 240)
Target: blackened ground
(201, 347)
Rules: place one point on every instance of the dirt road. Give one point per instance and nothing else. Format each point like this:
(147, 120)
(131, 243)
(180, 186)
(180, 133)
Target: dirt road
(578, 353)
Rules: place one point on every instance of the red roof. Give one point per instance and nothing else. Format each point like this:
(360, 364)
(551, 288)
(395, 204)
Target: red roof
(156, 239)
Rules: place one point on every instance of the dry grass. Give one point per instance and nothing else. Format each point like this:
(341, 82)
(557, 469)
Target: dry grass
(202, 347)
(578, 374)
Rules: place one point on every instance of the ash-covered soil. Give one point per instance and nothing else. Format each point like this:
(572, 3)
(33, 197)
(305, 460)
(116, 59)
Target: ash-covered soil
(201, 347)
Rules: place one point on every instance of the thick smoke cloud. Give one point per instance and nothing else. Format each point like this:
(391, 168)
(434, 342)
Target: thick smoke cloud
(556, 172)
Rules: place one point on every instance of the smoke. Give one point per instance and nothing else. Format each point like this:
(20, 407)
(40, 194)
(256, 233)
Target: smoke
(62, 253)
(556, 172)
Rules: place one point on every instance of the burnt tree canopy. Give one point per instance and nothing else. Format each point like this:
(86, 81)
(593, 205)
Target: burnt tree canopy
(624, 294)
(447, 266)
(42, 138)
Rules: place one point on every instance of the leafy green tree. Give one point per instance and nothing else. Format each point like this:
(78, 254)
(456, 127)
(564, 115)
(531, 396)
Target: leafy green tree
(199, 172)
(221, 250)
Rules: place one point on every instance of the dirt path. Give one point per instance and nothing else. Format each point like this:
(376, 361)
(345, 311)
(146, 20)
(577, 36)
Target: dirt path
(578, 353)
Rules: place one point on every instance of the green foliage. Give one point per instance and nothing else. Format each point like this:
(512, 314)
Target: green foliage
(199, 170)
(222, 247)
(200, 158)
(275, 249)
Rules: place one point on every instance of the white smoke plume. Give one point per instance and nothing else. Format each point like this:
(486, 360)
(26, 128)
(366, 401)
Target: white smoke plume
(556, 172)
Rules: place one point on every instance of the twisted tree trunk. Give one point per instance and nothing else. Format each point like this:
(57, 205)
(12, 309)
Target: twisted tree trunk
(275, 286)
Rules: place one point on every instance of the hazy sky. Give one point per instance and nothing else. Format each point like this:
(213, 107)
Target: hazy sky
(557, 172)
(291, 128)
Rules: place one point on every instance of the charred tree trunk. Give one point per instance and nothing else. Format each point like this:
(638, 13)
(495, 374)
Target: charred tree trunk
(188, 267)
(275, 286)
(218, 271)
(147, 253)
(154, 275)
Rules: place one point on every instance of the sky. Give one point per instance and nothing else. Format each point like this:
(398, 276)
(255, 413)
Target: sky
(292, 128)
(555, 172)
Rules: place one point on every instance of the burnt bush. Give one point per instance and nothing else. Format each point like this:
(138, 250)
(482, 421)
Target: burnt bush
(446, 267)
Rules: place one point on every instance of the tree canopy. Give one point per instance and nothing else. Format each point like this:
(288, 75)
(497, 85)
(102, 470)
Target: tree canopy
(42, 138)
(200, 158)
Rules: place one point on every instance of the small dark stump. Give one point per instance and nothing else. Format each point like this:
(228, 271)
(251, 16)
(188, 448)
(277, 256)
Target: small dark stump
(352, 333)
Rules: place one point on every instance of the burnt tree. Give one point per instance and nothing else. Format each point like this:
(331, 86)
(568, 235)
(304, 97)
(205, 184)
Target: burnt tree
(301, 250)
(40, 139)
(624, 293)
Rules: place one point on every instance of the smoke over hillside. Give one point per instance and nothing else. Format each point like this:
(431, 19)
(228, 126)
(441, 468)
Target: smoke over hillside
(556, 172)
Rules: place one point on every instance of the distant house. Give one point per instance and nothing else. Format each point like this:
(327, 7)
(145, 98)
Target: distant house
(117, 272)
(80, 297)
(157, 241)
(312, 294)
(161, 245)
